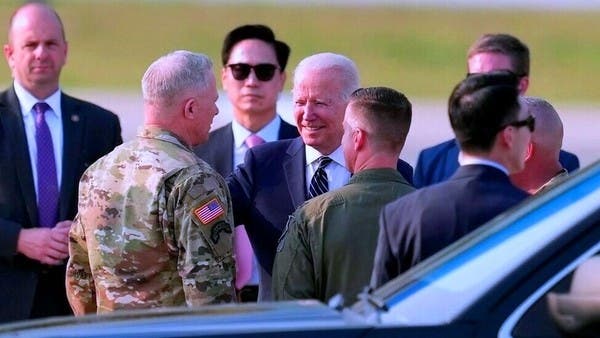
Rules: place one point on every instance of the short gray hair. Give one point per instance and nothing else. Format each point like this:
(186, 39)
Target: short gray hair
(174, 73)
(329, 61)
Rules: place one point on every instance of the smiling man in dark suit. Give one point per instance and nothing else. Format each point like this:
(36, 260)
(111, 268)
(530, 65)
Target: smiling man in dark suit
(47, 140)
(274, 178)
(253, 75)
(494, 131)
(277, 177)
(491, 52)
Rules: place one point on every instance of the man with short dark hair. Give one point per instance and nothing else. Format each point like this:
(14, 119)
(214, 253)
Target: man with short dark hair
(253, 76)
(491, 52)
(329, 242)
(494, 130)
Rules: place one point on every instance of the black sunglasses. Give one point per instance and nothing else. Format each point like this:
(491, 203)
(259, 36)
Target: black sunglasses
(263, 71)
(529, 122)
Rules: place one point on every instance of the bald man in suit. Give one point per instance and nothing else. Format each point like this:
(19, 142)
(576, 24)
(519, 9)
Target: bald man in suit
(33, 242)
(543, 168)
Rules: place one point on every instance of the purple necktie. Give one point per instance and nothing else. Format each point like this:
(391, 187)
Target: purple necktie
(254, 140)
(46, 169)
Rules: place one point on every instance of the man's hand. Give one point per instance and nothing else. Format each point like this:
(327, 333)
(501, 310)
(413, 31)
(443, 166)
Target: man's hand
(48, 246)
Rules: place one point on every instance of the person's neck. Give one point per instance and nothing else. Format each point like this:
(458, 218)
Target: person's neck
(254, 121)
(535, 175)
(42, 92)
(376, 161)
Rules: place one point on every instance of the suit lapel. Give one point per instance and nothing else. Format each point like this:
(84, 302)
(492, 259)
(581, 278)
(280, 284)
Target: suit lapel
(294, 171)
(73, 121)
(13, 120)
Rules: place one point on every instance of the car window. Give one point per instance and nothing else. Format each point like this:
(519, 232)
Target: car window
(489, 258)
(463, 272)
(558, 309)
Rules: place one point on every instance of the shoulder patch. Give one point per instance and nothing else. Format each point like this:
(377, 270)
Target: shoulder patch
(215, 231)
(209, 211)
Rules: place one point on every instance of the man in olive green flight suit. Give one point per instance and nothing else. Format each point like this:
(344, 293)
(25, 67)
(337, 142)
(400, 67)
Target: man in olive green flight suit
(329, 242)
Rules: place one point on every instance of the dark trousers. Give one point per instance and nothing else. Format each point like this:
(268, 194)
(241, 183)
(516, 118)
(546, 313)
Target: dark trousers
(50, 295)
(248, 294)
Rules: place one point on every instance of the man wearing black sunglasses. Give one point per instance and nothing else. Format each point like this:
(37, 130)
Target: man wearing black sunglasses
(493, 128)
(490, 52)
(253, 75)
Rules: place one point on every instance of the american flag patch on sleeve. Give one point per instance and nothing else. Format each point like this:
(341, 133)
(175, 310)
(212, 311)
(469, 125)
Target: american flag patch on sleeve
(209, 211)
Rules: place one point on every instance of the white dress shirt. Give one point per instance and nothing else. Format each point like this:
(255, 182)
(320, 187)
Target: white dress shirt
(337, 174)
(466, 159)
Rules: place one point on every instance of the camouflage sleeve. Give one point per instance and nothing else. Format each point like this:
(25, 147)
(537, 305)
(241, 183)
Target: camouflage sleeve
(202, 224)
(81, 291)
(293, 271)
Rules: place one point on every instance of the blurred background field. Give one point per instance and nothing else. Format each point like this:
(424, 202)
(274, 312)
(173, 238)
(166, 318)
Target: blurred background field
(419, 51)
(416, 49)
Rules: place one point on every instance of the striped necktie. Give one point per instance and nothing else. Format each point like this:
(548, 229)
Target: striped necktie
(318, 183)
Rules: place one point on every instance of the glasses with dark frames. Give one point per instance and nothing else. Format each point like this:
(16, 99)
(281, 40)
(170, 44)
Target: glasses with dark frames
(263, 71)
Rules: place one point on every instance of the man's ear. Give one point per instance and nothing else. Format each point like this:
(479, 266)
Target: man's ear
(8, 51)
(530, 150)
(282, 80)
(359, 137)
(505, 136)
(523, 84)
(189, 109)
(224, 76)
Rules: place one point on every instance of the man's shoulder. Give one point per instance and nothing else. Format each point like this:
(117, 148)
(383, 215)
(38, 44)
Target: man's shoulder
(216, 141)
(279, 146)
(413, 199)
(87, 107)
(287, 130)
(9, 98)
(443, 147)
(222, 130)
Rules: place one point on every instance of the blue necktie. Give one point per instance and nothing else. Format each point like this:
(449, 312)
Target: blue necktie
(46, 169)
(318, 183)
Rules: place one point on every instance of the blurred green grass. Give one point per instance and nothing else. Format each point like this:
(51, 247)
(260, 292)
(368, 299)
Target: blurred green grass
(420, 52)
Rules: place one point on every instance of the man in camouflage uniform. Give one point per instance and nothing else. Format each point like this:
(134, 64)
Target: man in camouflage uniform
(329, 242)
(154, 223)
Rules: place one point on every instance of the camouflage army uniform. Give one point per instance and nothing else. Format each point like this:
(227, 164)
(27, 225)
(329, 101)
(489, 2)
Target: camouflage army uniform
(153, 230)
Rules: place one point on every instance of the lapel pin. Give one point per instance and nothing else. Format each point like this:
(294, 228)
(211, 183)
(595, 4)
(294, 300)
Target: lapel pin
(75, 118)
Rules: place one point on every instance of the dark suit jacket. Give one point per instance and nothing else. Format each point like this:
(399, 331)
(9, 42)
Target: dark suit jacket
(421, 223)
(438, 163)
(218, 151)
(89, 132)
(265, 189)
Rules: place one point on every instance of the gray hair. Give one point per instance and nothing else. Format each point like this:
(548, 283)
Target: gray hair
(174, 73)
(330, 61)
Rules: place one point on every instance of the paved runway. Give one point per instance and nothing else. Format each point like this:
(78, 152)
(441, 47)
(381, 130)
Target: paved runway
(429, 126)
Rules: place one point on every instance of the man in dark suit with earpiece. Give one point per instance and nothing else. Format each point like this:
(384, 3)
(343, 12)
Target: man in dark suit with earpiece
(253, 75)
